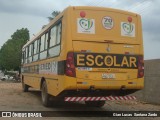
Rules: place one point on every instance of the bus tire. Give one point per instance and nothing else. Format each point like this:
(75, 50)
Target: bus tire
(24, 87)
(44, 95)
(95, 103)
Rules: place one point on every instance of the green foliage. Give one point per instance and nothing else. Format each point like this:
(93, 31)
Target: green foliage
(10, 52)
(54, 14)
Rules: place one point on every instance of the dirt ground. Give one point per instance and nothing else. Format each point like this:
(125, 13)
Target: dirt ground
(13, 99)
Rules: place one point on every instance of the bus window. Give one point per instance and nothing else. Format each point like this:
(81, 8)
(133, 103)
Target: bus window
(42, 43)
(53, 36)
(43, 51)
(46, 41)
(54, 44)
(30, 52)
(27, 54)
(54, 51)
(35, 47)
(38, 45)
(22, 60)
(35, 50)
(58, 33)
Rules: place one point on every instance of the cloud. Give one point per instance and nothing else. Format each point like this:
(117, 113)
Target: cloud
(151, 46)
(37, 7)
(33, 14)
(30, 7)
(11, 22)
(151, 24)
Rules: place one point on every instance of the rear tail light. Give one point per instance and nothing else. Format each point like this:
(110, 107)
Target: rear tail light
(140, 67)
(70, 67)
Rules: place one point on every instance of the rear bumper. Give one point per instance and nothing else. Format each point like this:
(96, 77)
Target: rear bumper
(137, 83)
(94, 93)
(72, 83)
(107, 98)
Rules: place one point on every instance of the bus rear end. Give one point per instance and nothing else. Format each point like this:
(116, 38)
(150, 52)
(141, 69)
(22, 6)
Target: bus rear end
(107, 51)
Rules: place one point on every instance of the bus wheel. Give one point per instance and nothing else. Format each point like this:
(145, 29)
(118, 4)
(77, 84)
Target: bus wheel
(24, 87)
(95, 103)
(45, 96)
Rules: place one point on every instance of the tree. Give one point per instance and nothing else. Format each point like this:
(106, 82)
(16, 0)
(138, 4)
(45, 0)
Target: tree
(10, 52)
(54, 14)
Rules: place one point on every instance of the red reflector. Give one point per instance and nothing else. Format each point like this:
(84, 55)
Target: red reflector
(83, 50)
(79, 82)
(130, 82)
(82, 14)
(127, 53)
(129, 19)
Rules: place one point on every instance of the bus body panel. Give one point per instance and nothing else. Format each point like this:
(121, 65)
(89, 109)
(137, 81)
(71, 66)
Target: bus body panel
(98, 42)
(101, 33)
(111, 41)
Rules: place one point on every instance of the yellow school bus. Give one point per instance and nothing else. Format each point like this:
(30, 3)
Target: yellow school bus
(86, 54)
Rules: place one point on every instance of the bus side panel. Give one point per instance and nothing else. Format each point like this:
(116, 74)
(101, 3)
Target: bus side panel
(32, 80)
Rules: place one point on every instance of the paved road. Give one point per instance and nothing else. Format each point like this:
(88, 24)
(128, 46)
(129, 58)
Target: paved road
(13, 99)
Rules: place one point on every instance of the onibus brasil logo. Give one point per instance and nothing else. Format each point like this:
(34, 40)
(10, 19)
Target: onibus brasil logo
(86, 23)
(128, 27)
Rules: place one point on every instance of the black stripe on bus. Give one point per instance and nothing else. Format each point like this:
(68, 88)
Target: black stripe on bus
(103, 60)
(35, 69)
(61, 67)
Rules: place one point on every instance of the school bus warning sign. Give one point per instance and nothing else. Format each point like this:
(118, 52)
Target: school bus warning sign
(102, 60)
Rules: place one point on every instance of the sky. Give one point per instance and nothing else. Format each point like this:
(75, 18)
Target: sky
(32, 14)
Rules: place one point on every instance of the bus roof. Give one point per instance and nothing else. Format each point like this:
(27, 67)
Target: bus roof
(101, 9)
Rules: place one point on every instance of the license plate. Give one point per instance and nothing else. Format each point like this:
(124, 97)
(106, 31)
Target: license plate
(108, 76)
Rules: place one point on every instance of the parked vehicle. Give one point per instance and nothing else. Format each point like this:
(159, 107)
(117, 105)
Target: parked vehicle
(86, 54)
(6, 77)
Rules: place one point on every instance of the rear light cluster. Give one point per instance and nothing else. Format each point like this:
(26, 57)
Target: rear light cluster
(140, 67)
(70, 67)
